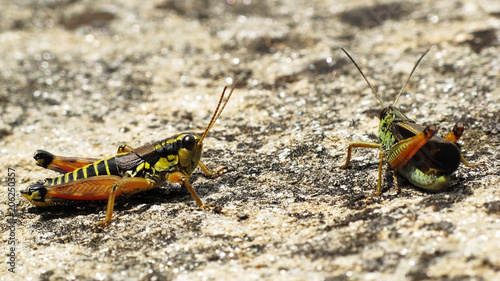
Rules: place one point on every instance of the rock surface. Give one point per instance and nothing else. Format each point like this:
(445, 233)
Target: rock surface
(79, 78)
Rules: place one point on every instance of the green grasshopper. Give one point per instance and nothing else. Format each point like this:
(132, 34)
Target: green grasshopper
(413, 151)
(128, 172)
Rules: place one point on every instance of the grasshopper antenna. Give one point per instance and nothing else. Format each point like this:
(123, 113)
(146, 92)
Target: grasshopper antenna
(364, 77)
(217, 111)
(407, 80)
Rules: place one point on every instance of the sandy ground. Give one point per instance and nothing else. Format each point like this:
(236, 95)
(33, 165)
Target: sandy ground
(79, 78)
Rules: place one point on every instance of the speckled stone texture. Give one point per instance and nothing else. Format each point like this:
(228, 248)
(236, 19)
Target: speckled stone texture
(79, 78)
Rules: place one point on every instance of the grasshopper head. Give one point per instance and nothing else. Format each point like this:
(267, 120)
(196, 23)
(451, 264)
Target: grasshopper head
(189, 152)
(192, 145)
(384, 112)
(392, 113)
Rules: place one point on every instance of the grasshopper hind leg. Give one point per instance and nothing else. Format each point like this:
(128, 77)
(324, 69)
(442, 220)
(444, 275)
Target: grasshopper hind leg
(61, 164)
(454, 136)
(124, 186)
(35, 193)
(456, 133)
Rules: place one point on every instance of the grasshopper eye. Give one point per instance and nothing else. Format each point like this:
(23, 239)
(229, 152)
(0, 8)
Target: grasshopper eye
(188, 142)
(383, 113)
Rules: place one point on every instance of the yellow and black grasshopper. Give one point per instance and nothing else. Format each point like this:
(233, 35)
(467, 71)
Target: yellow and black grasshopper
(129, 171)
(414, 151)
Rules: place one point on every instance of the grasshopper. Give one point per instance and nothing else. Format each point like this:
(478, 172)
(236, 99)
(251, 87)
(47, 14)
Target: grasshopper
(413, 151)
(128, 172)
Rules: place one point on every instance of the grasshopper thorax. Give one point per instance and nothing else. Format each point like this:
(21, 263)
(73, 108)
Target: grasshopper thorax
(178, 153)
(388, 116)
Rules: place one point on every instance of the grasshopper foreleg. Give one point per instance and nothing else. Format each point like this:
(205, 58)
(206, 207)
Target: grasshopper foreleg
(380, 166)
(183, 179)
(211, 175)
